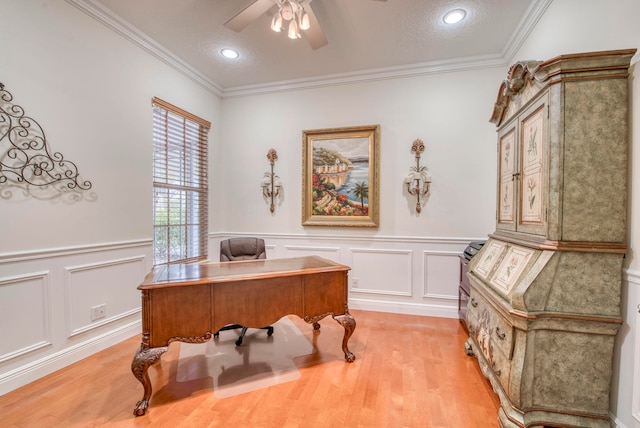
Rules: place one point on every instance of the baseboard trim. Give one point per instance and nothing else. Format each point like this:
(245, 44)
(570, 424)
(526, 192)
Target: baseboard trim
(615, 423)
(30, 372)
(439, 311)
(631, 276)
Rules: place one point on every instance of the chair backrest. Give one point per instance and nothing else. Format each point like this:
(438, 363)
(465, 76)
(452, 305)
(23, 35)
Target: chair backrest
(234, 249)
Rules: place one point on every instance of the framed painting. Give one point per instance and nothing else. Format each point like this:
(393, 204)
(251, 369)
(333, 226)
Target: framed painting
(341, 176)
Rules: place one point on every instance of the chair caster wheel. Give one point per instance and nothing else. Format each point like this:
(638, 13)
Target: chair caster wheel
(269, 331)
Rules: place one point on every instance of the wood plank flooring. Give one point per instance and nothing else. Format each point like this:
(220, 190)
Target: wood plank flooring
(410, 372)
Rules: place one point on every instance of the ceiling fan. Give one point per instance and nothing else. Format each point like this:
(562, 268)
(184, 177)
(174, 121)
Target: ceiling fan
(298, 13)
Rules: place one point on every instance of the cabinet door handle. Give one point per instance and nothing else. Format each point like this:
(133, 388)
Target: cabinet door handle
(474, 303)
(500, 335)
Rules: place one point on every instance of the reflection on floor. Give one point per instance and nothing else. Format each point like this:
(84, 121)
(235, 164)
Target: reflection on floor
(259, 362)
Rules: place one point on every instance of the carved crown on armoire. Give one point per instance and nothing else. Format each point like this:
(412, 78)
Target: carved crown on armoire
(544, 307)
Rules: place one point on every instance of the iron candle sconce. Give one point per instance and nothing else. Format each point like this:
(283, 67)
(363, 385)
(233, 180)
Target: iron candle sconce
(271, 183)
(418, 180)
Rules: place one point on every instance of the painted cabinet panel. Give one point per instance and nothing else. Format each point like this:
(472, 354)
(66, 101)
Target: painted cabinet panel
(522, 163)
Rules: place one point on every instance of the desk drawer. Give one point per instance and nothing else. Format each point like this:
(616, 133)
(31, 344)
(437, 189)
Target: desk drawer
(176, 313)
(256, 303)
(326, 293)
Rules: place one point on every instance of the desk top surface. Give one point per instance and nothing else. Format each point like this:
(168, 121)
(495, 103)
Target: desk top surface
(205, 273)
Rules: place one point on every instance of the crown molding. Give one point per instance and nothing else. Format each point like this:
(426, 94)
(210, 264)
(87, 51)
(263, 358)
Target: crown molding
(412, 70)
(128, 31)
(525, 26)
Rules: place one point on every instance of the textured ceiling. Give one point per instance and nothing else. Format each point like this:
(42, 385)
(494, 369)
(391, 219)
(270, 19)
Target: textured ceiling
(365, 36)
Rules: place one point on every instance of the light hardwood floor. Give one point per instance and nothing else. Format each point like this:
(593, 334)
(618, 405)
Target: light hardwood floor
(410, 371)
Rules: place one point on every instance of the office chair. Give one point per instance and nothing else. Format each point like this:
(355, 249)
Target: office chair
(235, 249)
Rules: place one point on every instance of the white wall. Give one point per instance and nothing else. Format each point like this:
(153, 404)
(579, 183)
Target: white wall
(90, 90)
(449, 112)
(410, 263)
(594, 26)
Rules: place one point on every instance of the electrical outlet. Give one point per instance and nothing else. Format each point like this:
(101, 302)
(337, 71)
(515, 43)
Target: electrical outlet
(355, 283)
(98, 312)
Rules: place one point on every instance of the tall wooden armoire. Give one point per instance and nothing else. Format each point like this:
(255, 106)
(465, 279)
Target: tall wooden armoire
(544, 307)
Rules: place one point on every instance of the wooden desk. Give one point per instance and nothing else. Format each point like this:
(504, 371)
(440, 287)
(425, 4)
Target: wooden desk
(190, 302)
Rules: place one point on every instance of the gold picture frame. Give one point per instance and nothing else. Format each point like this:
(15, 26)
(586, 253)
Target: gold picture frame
(341, 176)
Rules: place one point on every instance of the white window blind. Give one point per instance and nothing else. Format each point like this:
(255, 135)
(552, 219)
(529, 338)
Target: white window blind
(180, 184)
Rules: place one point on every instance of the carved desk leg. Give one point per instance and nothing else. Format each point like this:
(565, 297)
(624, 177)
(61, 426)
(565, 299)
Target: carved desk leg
(349, 324)
(144, 358)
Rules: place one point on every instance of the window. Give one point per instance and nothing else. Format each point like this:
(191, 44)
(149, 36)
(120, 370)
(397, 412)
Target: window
(180, 184)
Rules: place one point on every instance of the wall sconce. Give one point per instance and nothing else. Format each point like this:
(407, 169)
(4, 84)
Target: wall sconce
(271, 183)
(418, 180)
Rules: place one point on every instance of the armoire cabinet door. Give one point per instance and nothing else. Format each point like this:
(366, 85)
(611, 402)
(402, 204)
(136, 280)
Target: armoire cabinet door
(522, 184)
(533, 161)
(507, 176)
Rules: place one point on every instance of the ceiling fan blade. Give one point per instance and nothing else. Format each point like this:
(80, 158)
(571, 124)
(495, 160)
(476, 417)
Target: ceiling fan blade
(316, 36)
(247, 15)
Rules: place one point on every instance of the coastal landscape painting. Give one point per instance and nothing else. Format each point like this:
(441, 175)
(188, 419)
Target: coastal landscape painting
(341, 176)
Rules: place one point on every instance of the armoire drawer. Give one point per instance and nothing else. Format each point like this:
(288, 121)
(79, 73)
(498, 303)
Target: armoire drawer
(489, 328)
(501, 366)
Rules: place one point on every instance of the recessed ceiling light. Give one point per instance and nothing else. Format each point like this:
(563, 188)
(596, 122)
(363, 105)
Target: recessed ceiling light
(454, 16)
(229, 53)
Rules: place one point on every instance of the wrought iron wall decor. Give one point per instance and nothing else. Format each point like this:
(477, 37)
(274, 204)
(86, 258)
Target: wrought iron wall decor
(271, 183)
(418, 180)
(25, 160)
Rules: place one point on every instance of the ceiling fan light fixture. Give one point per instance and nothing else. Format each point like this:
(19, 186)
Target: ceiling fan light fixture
(287, 11)
(454, 16)
(293, 12)
(293, 30)
(304, 21)
(276, 23)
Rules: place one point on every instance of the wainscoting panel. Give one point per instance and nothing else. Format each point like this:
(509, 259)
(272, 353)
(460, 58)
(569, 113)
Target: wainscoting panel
(24, 314)
(46, 298)
(331, 253)
(111, 283)
(441, 271)
(633, 284)
(269, 248)
(393, 279)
